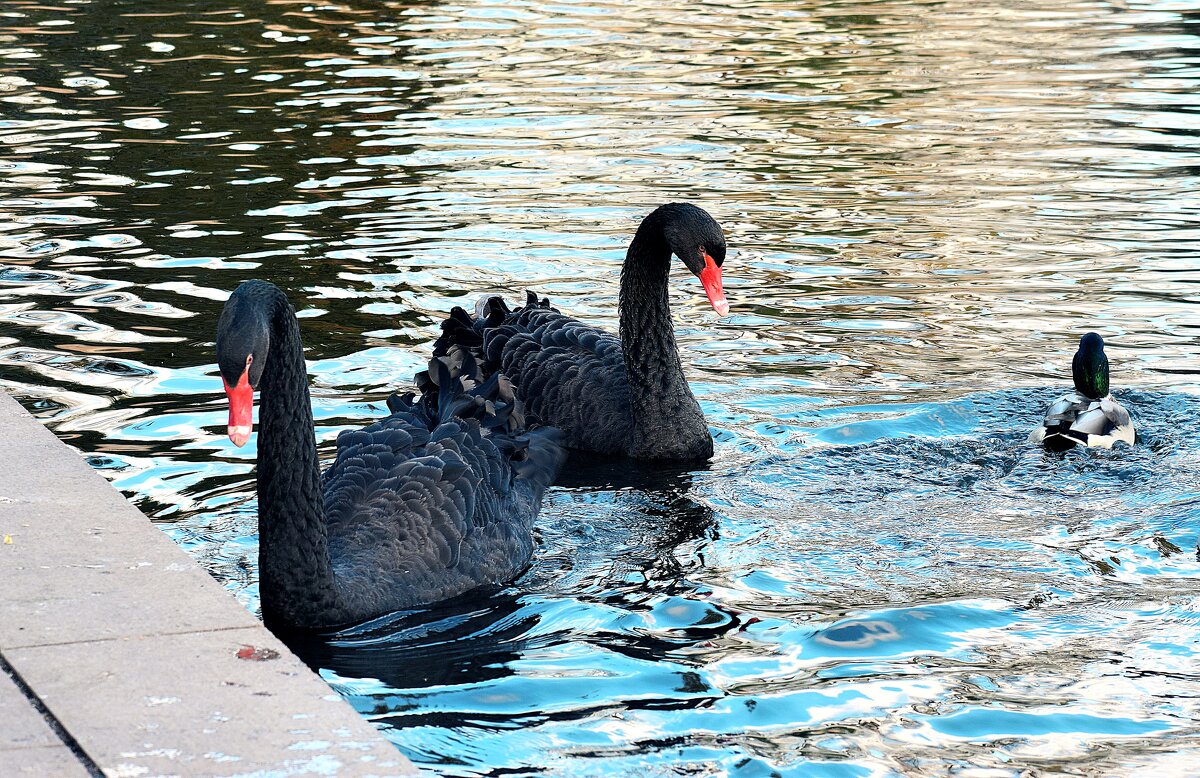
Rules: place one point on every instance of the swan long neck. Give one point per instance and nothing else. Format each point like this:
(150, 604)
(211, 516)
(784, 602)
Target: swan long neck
(294, 564)
(658, 386)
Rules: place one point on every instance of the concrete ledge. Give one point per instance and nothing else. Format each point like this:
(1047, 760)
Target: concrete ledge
(28, 746)
(121, 656)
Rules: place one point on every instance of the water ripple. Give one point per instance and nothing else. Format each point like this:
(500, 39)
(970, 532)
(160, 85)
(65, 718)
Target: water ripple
(926, 202)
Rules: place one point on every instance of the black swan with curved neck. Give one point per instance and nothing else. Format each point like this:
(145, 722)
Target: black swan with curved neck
(433, 501)
(624, 396)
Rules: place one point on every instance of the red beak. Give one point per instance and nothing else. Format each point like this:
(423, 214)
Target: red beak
(241, 409)
(710, 276)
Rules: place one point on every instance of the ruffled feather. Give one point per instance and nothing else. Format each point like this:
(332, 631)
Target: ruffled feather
(1075, 420)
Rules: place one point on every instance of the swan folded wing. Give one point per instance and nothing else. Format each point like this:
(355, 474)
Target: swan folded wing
(405, 532)
(406, 517)
(462, 330)
(487, 334)
(573, 377)
(414, 524)
(459, 329)
(485, 457)
(570, 375)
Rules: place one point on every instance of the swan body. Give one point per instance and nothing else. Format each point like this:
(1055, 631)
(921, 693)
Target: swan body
(1088, 416)
(431, 502)
(621, 396)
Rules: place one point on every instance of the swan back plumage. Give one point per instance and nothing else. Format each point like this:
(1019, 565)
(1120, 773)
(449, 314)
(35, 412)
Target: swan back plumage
(438, 498)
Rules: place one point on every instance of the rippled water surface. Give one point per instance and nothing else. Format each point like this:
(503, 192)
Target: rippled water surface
(926, 204)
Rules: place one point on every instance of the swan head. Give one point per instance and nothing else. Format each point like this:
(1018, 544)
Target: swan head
(243, 338)
(1089, 368)
(697, 239)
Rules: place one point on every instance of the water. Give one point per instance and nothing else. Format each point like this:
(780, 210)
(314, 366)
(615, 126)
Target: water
(926, 203)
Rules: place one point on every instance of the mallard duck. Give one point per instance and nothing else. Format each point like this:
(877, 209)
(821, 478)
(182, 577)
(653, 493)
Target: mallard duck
(1088, 416)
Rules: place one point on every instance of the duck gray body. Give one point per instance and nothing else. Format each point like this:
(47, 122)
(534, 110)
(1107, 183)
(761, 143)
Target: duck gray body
(1076, 420)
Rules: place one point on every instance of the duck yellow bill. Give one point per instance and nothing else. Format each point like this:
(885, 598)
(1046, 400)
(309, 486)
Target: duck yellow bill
(710, 276)
(241, 409)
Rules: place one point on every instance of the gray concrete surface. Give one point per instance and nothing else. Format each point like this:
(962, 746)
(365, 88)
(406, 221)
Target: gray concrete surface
(27, 744)
(120, 656)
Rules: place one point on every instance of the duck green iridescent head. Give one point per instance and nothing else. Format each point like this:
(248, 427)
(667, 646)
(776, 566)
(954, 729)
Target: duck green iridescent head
(1090, 367)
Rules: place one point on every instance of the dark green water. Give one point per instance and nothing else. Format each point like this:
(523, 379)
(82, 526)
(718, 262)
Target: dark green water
(926, 204)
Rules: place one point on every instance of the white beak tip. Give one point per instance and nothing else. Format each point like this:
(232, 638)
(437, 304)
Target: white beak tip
(239, 434)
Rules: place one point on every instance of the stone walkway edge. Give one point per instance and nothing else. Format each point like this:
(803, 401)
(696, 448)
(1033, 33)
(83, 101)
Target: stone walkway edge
(121, 657)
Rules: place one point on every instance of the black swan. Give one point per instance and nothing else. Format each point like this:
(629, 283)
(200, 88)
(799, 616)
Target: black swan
(1088, 416)
(433, 501)
(619, 397)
